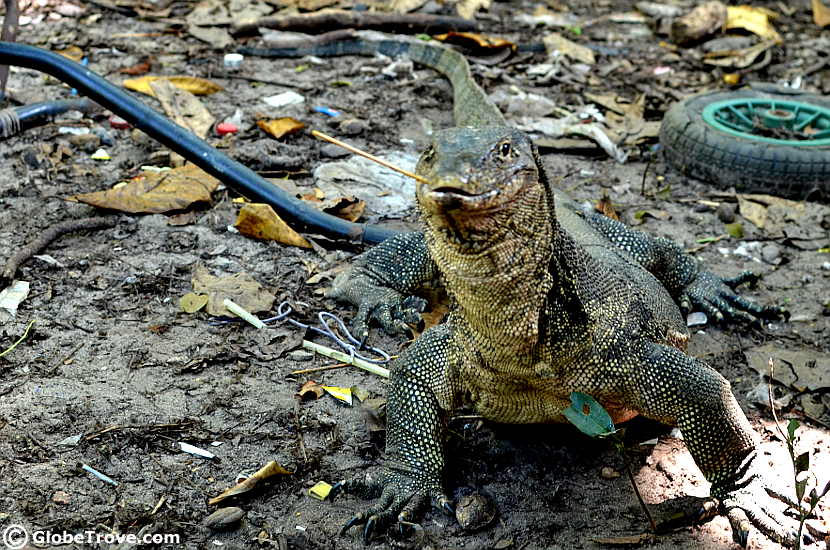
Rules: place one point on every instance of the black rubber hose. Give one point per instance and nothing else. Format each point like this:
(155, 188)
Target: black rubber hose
(242, 179)
(17, 119)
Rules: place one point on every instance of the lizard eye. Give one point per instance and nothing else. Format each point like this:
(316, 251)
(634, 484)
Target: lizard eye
(504, 149)
(428, 155)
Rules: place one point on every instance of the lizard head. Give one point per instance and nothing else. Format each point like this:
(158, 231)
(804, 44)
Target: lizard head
(476, 180)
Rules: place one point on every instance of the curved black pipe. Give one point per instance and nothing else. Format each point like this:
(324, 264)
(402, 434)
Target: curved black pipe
(245, 181)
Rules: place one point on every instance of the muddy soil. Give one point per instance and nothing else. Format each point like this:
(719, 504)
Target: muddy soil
(112, 361)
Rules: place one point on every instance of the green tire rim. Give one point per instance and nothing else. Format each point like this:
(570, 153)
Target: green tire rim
(751, 118)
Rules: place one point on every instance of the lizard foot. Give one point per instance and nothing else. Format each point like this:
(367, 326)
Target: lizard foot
(400, 499)
(393, 311)
(716, 297)
(756, 500)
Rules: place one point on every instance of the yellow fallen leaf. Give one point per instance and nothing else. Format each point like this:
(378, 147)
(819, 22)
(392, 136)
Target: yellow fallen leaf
(155, 192)
(261, 222)
(192, 84)
(821, 14)
(72, 52)
(341, 394)
(752, 19)
(192, 302)
(280, 127)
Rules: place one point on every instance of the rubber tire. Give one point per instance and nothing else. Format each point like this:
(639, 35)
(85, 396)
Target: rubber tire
(706, 153)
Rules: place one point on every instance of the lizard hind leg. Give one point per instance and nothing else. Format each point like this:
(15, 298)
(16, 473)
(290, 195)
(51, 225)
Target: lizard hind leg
(420, 392)
(673, 387)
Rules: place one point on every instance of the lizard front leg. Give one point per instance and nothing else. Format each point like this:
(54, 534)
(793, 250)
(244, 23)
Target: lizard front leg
(689, 284)
(381, 281)
(422, 388)
(675, 388)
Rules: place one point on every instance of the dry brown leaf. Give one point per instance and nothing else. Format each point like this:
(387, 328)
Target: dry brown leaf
(475, 41)
(348, 208)
(155, 192)
(468, 8)
(183, 107)
(556, 42)
(821, 14)
(753, 212)
(240, 288)
(702, 21)
(261, 222)
(269, 470)
(142, 67)
(605, 207)
(280, 127)
(752, 19)
(193, 84)
(311, 390)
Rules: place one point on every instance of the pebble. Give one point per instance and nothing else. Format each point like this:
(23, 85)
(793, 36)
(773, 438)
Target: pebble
(333, 151)
(696, 318)
(300, 355)
(771, 254)
(353, 126)
(726, 212)
(609, 473)
(475, 512)
(826, 266)
(223, 518)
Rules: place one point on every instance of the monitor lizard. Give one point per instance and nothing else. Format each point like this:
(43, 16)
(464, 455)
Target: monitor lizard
(547, 299)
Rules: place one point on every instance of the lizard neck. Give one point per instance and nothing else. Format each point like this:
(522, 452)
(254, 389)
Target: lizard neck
(500, 289)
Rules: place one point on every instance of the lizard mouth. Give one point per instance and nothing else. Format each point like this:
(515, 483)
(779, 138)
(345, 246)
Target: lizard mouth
(452, 198)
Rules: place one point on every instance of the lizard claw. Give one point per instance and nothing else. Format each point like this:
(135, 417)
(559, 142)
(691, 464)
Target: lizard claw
(754, 500)
(716, 297)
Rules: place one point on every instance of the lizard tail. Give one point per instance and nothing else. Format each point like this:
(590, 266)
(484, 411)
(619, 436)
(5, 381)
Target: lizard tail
(472, 107)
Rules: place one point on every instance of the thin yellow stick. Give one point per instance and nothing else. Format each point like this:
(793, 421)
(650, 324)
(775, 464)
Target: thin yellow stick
(369, 156)
(25, 334)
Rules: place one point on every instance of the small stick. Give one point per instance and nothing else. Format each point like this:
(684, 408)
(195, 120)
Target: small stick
(369, 156)
(49, 235)
(316, 369)
(25, 334)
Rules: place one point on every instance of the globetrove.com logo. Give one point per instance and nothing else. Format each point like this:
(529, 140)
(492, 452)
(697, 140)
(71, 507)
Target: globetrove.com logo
(16, 537)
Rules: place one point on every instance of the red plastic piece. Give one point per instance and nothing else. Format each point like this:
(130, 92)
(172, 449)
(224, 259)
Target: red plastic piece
(118, 123)
(224, 128)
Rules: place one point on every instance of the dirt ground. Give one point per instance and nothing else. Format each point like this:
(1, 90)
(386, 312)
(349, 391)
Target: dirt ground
(113, 360)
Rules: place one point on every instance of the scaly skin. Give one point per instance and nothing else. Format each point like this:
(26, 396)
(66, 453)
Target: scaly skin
(546, 300)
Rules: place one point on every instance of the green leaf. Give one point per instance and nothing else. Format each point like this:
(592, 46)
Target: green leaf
(791, 428)
(589, 416)
(800, 487)
(802, 462)
(735, 230)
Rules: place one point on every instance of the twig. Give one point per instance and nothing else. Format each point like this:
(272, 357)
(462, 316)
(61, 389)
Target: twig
(364, 154)
(346, 358)
(328, 20)
(8, 35)
(47, 237)
(637, 489)
(25, 334)
(317, 369)
(257, 79)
